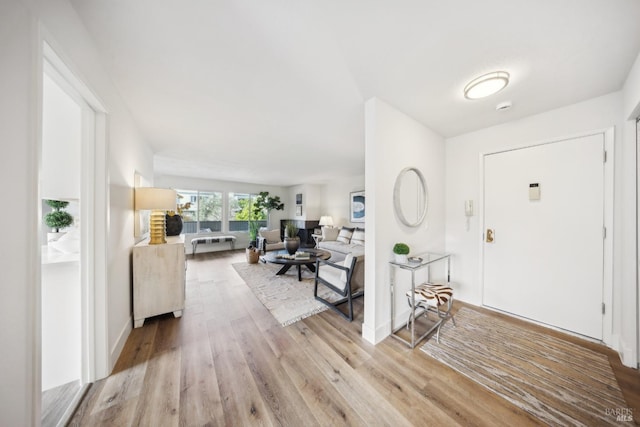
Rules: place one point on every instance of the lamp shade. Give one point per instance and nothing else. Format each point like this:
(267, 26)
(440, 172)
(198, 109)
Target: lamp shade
(326, 220)
(151, 198)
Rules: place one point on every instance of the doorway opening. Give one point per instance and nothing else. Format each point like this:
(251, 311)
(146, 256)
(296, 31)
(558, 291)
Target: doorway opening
(73, 179)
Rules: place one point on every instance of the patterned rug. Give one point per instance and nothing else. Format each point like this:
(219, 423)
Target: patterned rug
(556, 381)
(287, 299)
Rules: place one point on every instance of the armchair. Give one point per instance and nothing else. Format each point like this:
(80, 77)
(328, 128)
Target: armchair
(337, 277)
(269, 240)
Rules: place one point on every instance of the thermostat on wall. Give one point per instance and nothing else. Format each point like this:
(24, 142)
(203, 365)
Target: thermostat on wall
(534, 191)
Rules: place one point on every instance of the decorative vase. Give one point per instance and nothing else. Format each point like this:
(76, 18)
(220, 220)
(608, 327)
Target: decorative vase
(291, 244)
(173, 224)
(401, 258)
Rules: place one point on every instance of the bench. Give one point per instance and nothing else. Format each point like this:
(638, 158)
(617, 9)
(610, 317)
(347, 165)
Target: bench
(212, 239)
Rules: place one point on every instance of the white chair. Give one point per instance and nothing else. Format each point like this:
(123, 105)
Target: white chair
(337, 277)
(269, 240)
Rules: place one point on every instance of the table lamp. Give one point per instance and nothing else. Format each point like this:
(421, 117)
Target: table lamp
(157, 200)
(326, 221)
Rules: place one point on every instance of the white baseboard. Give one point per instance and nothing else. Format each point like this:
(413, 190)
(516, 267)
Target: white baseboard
(374, 336)
(119, 344)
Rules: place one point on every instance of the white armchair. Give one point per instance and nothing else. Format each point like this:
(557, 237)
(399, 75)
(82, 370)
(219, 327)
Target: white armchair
(337, 277)
(269, 240)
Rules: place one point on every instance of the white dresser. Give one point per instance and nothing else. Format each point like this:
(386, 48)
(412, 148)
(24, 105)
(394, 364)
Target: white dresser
(159, 274)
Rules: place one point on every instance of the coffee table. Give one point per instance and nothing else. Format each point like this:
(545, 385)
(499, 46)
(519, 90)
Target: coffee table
(275, 257)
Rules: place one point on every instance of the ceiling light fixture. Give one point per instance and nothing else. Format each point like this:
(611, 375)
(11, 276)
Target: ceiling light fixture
(486, 85)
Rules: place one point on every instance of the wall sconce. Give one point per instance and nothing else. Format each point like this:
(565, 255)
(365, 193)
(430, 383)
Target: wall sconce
(326, 221)
(157, 200)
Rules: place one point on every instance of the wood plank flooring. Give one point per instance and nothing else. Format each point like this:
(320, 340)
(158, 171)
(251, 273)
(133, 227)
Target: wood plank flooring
(228, 362)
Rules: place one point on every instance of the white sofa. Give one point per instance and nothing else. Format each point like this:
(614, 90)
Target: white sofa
(342, 241)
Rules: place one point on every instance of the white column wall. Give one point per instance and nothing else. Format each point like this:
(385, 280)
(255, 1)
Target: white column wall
(393, 141)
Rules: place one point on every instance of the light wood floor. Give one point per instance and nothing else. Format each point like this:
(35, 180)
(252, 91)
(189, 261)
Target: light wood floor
(228, 362)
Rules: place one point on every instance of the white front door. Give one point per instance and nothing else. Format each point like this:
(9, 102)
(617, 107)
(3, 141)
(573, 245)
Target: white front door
(545, 260)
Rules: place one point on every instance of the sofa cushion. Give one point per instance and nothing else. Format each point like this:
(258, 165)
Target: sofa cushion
(341, 248)
(358, 236)
(345, 235)
(330, 234)
(271, 236)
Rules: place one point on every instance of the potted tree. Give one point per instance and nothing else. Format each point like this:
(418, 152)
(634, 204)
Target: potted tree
(401, 250)
(291, 239)
(264, 202)
(57, 219)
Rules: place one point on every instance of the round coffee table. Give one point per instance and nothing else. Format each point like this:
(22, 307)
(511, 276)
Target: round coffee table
(279, 257)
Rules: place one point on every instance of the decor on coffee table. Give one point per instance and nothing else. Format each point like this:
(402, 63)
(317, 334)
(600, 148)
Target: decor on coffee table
(291, 239)
(556, 381)
(286, 298)
(306, 258)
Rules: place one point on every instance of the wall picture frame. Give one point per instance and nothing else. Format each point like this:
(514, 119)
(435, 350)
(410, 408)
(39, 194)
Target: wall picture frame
(357, 206)
(299, 210)
(299, 199)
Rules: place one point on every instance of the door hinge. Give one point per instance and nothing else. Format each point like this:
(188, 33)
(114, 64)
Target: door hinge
(604, 232)
(603, 308)
(604, 157)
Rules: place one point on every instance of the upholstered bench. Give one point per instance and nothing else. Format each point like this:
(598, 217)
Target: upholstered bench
(431, 297)
(212, 239)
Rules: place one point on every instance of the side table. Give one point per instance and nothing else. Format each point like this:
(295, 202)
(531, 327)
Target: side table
(428, 259)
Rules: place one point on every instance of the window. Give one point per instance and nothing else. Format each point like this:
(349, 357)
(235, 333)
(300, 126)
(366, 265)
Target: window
(241, 211)
(204, 213)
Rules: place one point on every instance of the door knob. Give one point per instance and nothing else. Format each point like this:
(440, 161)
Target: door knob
(489, 238)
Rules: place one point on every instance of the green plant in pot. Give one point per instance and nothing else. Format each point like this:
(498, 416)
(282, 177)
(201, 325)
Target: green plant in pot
(291, 239)
(57, 219)
(401, 250)
(264, 202)
(254, 226)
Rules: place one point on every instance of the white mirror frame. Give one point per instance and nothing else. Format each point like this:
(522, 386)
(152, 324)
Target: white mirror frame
(397, 203)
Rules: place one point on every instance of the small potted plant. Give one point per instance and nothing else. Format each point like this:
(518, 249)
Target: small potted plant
(254, 226)
(57, 219)
(291, 239)
(401, 250)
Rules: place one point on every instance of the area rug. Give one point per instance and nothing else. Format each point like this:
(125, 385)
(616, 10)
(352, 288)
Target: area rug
(284, 296)
(556, 381)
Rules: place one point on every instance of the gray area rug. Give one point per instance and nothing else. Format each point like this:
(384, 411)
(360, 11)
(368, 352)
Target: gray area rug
(556, 381)
(284, 296)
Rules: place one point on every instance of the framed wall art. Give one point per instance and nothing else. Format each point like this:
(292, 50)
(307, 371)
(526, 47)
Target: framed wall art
(357, 206)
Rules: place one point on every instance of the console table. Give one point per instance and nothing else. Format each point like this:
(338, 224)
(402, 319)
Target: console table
(159, 278)
(428, 260)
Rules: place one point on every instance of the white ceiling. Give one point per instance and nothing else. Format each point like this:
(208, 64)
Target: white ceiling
(273, 91)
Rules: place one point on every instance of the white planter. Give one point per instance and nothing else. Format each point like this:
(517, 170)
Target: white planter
(52, 237)
(401, 259)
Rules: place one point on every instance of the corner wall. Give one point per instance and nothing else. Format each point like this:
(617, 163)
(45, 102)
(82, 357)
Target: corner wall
(393, 141)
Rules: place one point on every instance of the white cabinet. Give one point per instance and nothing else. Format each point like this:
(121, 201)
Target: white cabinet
(158, 279)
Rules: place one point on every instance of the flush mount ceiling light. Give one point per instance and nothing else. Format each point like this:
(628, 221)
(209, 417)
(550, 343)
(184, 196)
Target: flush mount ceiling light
(486, 85)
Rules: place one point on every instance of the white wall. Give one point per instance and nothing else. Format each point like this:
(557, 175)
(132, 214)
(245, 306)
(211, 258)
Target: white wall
(19, 364)
(21, 85)
(463, 180)
(394, 141)
(311, 202)
(631, 182)
(336, 201)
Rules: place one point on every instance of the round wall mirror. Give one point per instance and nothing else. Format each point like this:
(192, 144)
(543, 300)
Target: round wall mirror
(410, 198)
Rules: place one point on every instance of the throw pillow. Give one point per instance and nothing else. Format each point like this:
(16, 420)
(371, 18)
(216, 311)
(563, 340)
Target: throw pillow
(329, 234)
(345, 235)
(271, 236)
(358, 236)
